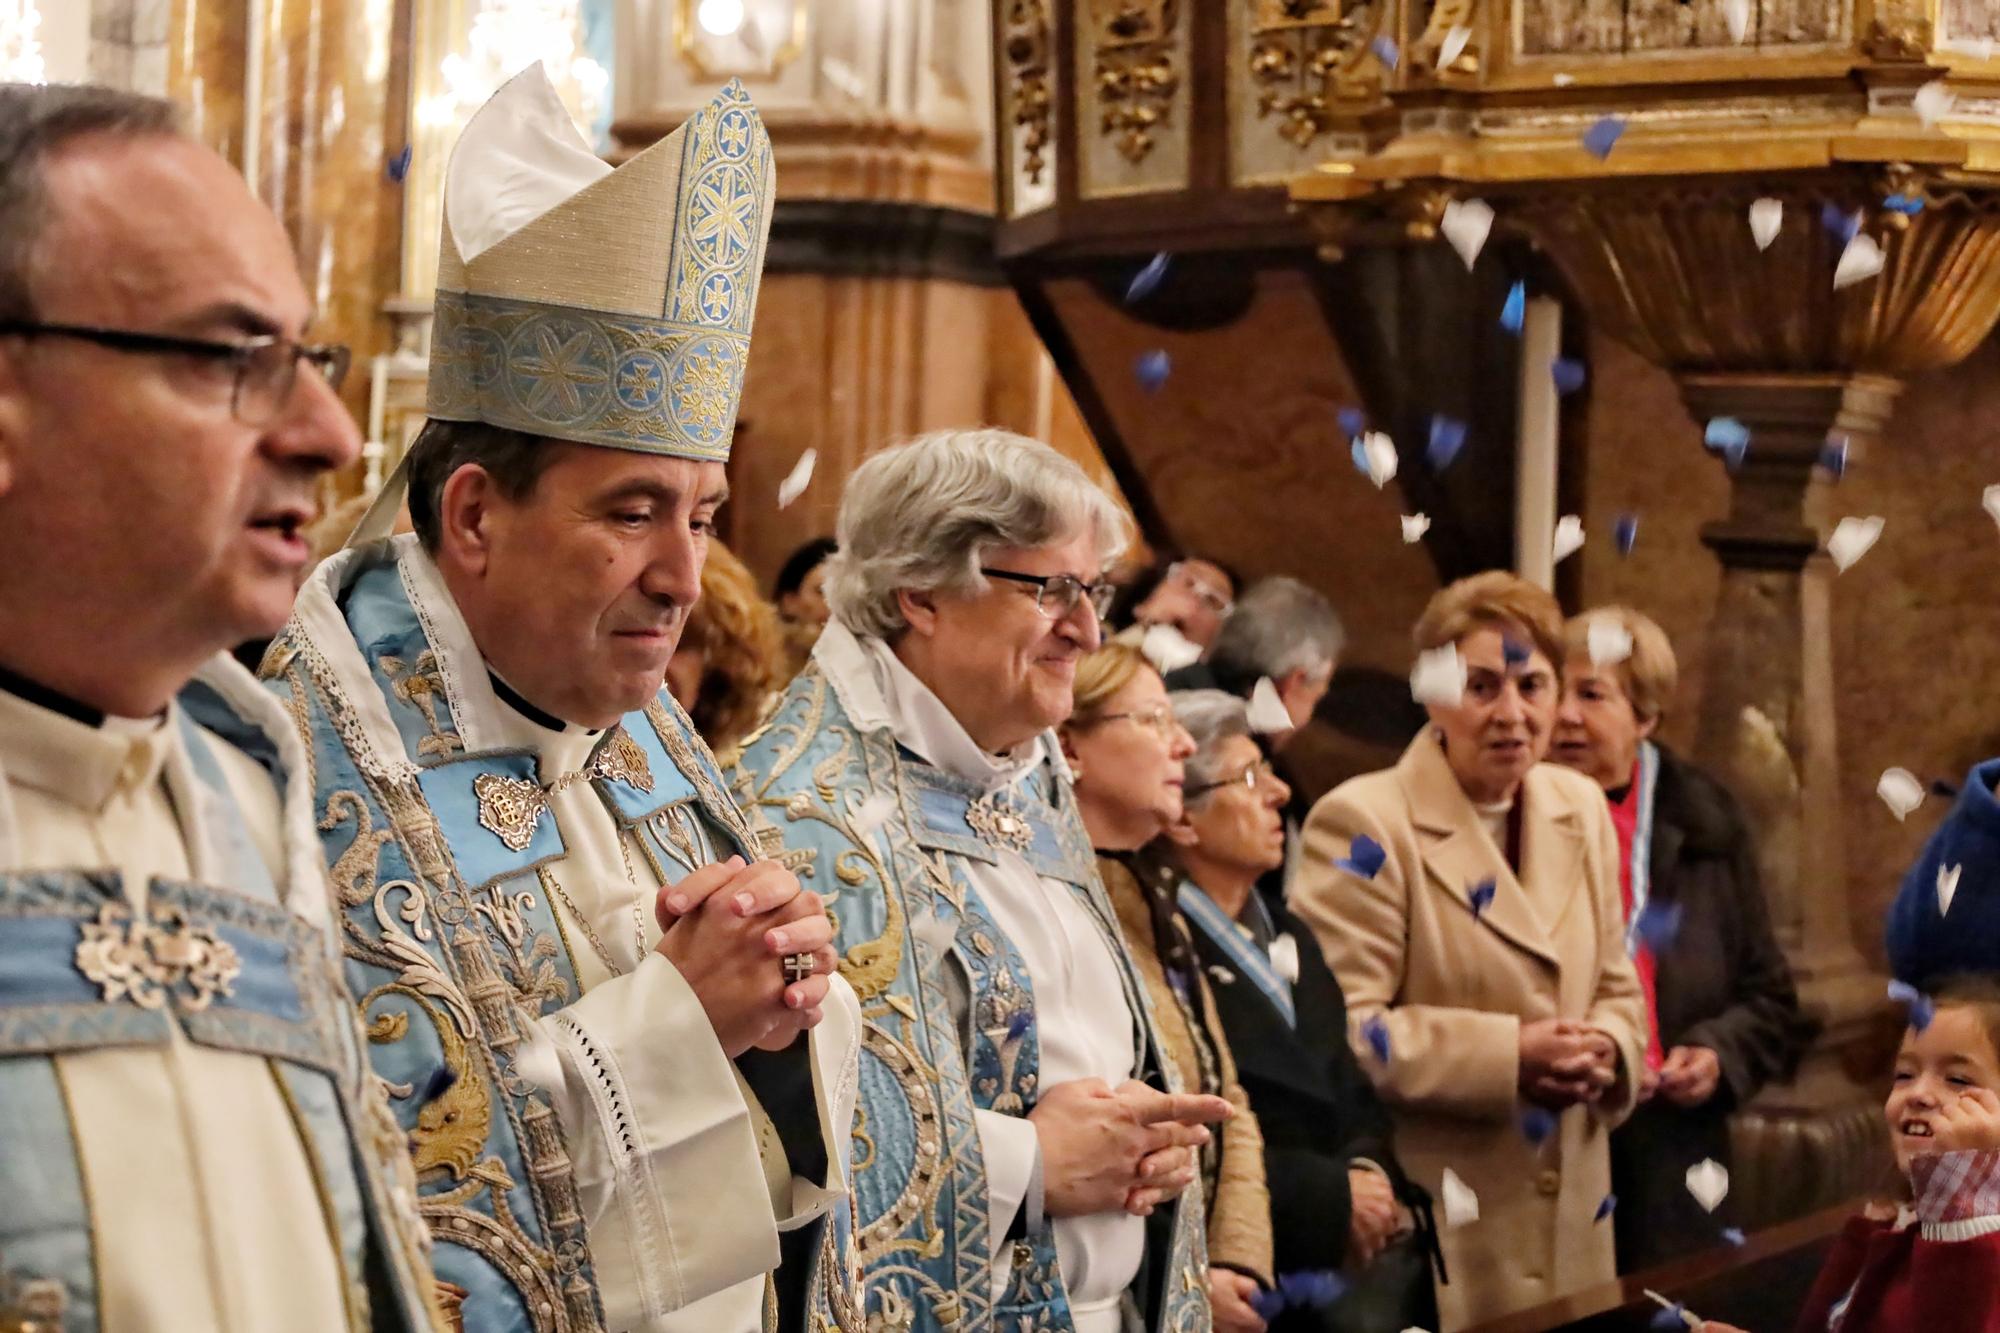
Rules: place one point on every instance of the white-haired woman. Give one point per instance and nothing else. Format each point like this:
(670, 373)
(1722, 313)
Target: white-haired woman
(1010, 1147)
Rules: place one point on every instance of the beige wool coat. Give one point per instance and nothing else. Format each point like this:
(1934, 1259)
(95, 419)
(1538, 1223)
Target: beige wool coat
(1453, 989)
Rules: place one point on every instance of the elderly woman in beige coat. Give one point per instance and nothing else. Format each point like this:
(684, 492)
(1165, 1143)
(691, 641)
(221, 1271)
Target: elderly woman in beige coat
(1468, 900)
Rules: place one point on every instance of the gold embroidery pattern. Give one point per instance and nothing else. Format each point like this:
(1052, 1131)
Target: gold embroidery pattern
(621, 760)
(421, 685)
(31, 1304)
(145, 961)
(510, 808)
(998, 826)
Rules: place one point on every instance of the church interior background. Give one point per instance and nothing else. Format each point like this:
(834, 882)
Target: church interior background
(968, 191)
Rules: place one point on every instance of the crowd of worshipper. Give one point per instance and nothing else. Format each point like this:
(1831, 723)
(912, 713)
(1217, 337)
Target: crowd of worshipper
(560, 931)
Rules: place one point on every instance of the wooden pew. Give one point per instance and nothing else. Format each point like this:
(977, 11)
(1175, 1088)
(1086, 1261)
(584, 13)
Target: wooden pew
(1758, 1286)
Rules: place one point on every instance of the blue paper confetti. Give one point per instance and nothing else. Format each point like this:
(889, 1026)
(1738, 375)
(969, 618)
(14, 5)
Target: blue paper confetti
(1152, 369)
(1387, 51)
(1482, 896)
(1353, 421)
(1671, 1317)
(1919, 1004)
(1537, 1124)
(1147, 280)
(1377, 1033)
(1659, 924)
(1268, 1304)
(440, 1083)
(1729, 437)
(1357, 449)
(1515, 312)
(1909, 205)
(1313, 1289)
(1568, 373)
(398, 167)
(1513, 652)
(1605, 1209)
(1447, 438)
(1734, 1236)
(1626, 532)
(1841, 223)
(1948, 790)
(1017, 1026)
(1833, 456)
(1364, 857)
(1602, 137)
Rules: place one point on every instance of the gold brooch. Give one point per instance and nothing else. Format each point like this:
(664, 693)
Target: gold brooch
(143, 961)
(999, 826)
(510, 808)
(621, 760)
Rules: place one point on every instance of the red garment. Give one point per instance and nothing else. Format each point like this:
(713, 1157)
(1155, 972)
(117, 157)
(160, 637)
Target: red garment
(1625, 818)
(1907, 1281)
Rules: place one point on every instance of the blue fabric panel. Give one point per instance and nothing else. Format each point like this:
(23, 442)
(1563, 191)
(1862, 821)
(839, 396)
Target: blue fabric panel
(45, 1221)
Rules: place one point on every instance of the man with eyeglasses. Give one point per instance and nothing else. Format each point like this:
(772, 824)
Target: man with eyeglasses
(1027, 1149)
(190, 1136)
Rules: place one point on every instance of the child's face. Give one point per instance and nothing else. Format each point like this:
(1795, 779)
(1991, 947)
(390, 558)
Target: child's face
(1934, 1069)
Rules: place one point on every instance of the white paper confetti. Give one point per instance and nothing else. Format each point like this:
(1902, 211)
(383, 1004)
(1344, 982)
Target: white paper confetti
(1990, 499)
(1416, 525)
(1933, 102)
(873, 812)
(1737, 14)
(1569, 537)
(1168, 649)
(1860, 261)
(1766, 217)
(1563, 80)
(1900, 791)
(1455, 39)
(1851, 539)
(1380, 453)
(1461, 1205)
(1466, 224)
(1285, 957)
(1708, 1181)
(1268, 715)
(800, 477)
(1947, 887)
(1610, 642)
(1439, 677)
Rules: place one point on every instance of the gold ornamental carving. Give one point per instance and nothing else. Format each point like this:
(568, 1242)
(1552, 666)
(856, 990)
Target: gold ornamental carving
(1134, 71)
(1030, 65)
(1901, 30)
(1310, 60)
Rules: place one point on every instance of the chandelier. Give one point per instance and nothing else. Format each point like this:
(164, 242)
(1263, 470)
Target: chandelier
(504, 38)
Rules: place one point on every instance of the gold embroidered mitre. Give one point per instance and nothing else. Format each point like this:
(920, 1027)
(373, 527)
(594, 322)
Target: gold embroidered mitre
(620, 314)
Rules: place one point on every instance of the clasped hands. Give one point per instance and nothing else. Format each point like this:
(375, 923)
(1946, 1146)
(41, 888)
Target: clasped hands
(1129, 1148)
(727, 928)
(1565, 1063)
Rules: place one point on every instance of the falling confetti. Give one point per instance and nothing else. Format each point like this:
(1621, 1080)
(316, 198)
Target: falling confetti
(1352, 421)
(795, 482)
(1625, 532)
(1438, 678)
(1482, 896)
(1515, 312)
(1569, 537)
(1168, 649)
(1833, 456)
(1725, 433)
(398, 167)
(1708, 1181)
(1839, 221)
(1414, 527)
(1906, 203)
(1989, 500)
(1387, 51)
(1671, 1315)
(1466, 224)
(1766, 217)
(1860, 261)
(1313, 1289)
(1568, 373)
(1268, 716)
(1947, 887)
(1447, 438)
(1376, 1032)
(1609, 642)
(1606, 1208)
(1737, 14)
(1851, 539)
(1537, 1124)
(1602, 137)
(1933, 102)
(1900, 791)
(1734, 1236)
(1456, 39)
(1514, 653)
(1461, 1205)
(1147, 280)
(440, 1083)
(1364, 858)
(1563, 80)
(1152, 369)
(1377, 456)
(1285, 958)
(873, 813)
(1919, 1004)
(1659, 925)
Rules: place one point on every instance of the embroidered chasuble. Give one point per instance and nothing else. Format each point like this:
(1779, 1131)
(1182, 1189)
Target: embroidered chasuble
(191, 1137)
(588, 1157)
(986, 958)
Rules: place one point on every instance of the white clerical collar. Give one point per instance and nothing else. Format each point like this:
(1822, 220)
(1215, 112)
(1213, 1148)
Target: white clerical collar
(879, 691)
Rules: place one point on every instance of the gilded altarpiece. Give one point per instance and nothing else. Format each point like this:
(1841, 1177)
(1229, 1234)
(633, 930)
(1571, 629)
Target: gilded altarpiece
(1971, 25)
(1027, 105)
(1627, 27)
(1300, 73)
(1132, 77)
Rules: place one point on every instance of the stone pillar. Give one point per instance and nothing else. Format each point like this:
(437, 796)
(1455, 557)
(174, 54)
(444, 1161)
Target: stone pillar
(1766, 728)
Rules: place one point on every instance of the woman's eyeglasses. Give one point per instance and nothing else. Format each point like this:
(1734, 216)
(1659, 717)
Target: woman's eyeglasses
(1159, 719)
(1250, 779)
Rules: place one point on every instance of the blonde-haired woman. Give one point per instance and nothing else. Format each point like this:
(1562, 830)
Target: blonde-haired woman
(1126, 753)
(1723, 1014)
(1468, 901)
(731, 656)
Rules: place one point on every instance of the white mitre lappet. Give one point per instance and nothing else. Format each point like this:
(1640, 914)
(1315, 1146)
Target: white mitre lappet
(604, 307)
